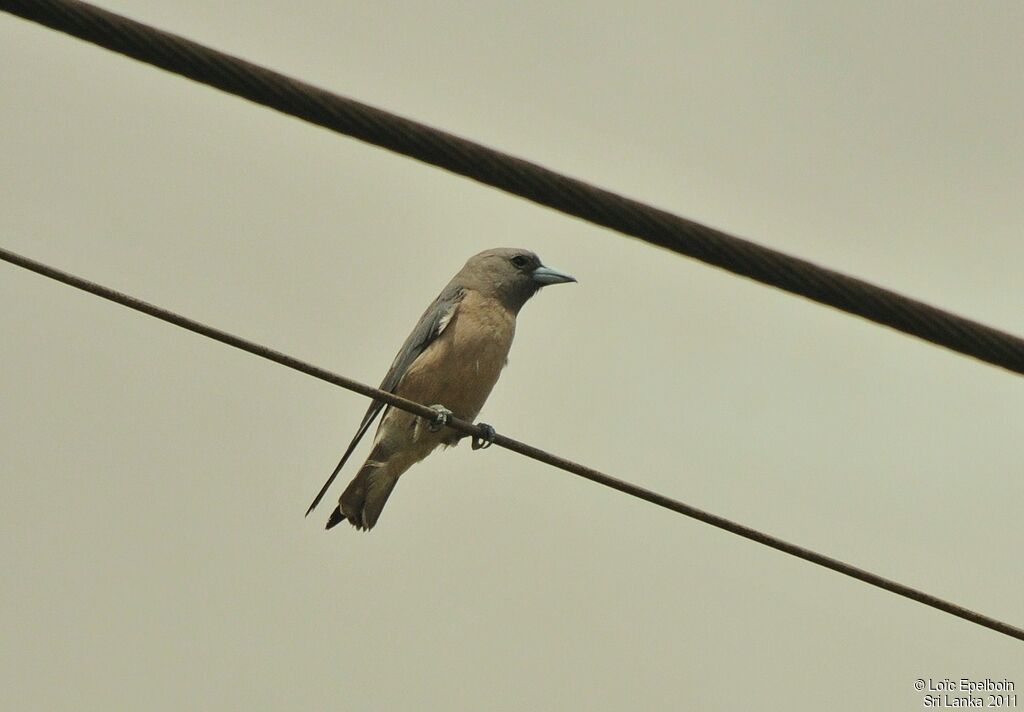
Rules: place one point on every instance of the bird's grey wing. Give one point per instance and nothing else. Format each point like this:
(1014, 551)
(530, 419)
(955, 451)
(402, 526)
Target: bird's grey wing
(433, 322)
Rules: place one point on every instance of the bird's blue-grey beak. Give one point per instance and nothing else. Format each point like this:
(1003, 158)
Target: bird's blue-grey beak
(547, 275)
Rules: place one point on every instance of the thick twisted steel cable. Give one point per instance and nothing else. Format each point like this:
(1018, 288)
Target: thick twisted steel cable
(519, 177)
(516, 446)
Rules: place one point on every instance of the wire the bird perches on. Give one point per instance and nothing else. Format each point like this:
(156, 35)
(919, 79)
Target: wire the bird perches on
(516, 446)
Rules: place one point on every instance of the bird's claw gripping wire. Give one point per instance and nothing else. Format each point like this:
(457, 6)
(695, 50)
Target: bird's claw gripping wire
(484, 442)
(442, 416)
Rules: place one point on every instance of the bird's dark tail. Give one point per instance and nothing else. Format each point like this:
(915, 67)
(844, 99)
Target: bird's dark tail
(336, 517)
(365, 497)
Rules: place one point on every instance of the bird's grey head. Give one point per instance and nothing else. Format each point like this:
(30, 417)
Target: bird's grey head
(510, 274)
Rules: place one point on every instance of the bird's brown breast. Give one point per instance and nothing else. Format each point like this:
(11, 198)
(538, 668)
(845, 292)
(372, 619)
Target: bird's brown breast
(459, 369)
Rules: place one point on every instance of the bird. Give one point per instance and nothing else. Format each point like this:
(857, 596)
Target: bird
(451, 361)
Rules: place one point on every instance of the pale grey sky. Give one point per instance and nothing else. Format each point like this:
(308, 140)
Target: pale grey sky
(153, 542)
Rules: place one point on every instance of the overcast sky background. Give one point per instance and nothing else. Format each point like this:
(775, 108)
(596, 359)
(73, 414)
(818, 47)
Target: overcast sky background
(154, 550)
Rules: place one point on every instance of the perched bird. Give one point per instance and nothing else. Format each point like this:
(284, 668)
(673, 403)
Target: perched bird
(451, 359)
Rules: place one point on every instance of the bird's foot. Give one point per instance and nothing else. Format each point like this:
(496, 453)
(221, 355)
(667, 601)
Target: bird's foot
(484, 442)
(442, 416)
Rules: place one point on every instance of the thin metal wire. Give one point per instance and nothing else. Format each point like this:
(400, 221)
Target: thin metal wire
(515, 446)
(529, 180)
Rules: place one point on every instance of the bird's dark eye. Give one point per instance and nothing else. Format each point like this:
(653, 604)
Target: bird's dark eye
(519, 261)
